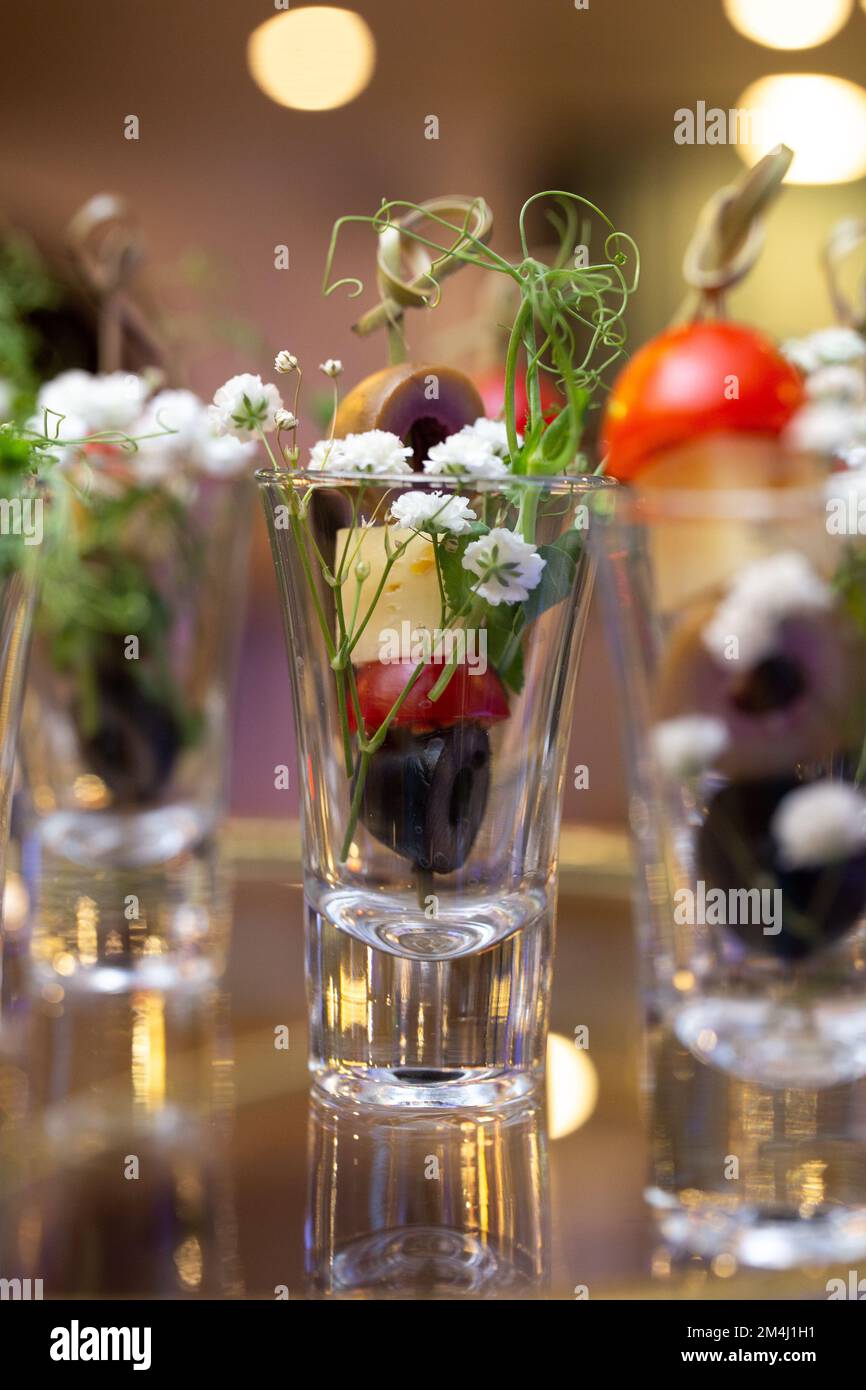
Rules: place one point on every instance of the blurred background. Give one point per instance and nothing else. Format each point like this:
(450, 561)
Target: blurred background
(553, 94)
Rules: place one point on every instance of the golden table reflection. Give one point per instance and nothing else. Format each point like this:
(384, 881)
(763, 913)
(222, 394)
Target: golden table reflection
(162, 1142)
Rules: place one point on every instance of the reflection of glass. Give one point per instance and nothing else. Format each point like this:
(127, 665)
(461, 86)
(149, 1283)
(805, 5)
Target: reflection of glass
(430, 844)
(127, 722)
(739, 625)
(114, 1149)
(427, 1206)
(748, 1176)
(159, 927)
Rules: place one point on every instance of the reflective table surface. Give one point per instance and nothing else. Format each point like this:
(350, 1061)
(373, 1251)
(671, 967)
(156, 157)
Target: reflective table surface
(158, 1138)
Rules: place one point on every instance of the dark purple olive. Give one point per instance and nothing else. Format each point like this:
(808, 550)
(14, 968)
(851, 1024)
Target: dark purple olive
(798, 704)
(425, 794)
(137, 739)
(736, 851)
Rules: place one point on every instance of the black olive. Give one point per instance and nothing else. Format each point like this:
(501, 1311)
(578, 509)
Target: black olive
(737, 851)
(425, 794)
(774, 683)
(136, 743)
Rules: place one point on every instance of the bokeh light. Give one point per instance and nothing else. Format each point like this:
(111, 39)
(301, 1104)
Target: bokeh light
(822, 119)
(788, 23)
(314, 58)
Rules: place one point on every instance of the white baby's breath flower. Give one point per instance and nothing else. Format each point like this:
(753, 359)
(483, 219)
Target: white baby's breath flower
(854, 456)
(375, 451)
(285, 362)
(687, 746)
(827, 347)
(179, 411)
(506, 566)
(284, 419)
(193, 445)
(117, 401)
(465, 455)
(819, 824)
(433, 511)
(490, 432)
(91, 404)
(244, 404)
(332, 367)
(71, 395)
(760, 598)
(826, 427)
(325, 454)
(225, 455)
(837, 383)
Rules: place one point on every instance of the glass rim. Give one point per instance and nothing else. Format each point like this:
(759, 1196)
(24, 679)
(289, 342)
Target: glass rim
(558, 483)
(636, 506)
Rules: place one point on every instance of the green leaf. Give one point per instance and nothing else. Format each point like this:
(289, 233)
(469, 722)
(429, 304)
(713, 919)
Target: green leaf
(504, 648)
(557, 581)
(558, 434)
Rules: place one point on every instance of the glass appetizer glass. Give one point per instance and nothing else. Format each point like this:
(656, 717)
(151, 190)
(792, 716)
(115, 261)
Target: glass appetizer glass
(740, 626)
(126, 729)
(432, 703)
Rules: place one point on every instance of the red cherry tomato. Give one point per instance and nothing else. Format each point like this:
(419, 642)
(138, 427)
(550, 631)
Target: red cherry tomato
(492, 388)
(479, 697)
(701, 378)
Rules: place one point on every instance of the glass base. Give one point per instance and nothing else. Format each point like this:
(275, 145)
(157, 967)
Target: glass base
(428, 1261)
(422, 1027)
(395, 923)
(126, 839)
(773, 1238)
(164, 927)
(775, 1044)
(416, 1088)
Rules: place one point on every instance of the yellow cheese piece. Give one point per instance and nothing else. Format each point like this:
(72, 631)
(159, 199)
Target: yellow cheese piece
(410, 595)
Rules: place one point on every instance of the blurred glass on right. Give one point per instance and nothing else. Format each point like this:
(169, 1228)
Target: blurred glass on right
(739, 624)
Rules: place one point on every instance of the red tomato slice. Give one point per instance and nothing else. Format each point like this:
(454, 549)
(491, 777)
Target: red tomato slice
(708, 377)
(480, 698)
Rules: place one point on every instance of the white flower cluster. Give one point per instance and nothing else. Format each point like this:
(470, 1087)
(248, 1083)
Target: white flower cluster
(829, 347)
(79, 403)
(760, 598)
(505, 565)
(476, 451)
(819, 823)
(375, 452)
(245, 405)
(833, 421)
(433, 511)
(689, 745)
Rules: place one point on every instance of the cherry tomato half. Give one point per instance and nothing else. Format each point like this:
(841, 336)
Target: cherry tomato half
(702, 378)
(478, 697)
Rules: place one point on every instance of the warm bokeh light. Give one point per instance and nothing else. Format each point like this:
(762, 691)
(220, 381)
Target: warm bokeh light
(572, 1086)
(314, 58)
(788, 23)
(822, 119)
(16, 902)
